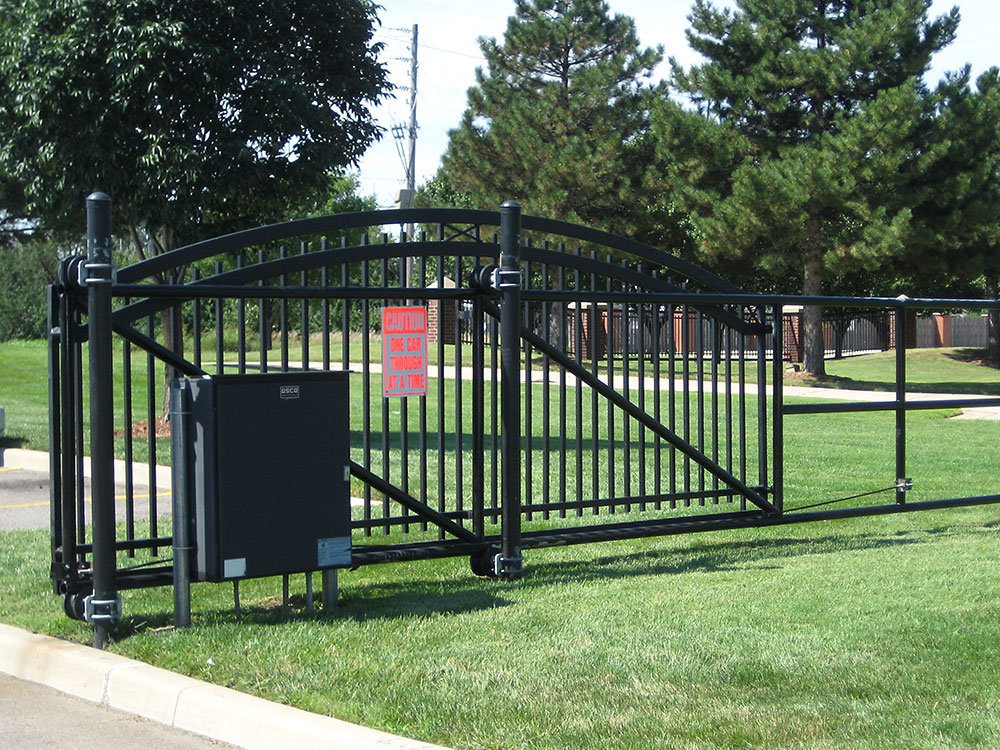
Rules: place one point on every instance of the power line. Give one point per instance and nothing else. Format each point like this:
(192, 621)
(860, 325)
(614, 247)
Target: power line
(453, 52)
(428, 46)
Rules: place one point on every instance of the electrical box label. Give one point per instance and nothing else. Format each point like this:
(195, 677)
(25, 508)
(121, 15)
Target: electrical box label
(289, 392)
(333, 551)
(404, 351)
(234, 568)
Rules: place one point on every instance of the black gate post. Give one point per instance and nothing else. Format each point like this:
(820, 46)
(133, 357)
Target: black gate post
(901, 481)
(180, 411)
(777, 406)
(53, 339)
(102, 608)
(508, 564)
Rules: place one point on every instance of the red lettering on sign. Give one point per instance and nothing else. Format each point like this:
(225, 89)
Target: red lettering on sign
(404, 351)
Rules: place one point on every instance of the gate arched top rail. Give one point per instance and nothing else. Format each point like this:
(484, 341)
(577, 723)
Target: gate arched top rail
(295, 263)
(231, 243)
(633, 247)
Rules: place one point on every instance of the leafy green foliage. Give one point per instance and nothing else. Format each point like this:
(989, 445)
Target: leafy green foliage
(194, 116)
(28, 268)
(957, 205)
(13, 223)
(558, 118)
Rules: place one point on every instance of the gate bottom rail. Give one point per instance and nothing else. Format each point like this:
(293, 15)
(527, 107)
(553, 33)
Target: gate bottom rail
(541, 538)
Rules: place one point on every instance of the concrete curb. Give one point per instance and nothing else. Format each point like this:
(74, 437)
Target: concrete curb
(182, 702)
(39, 461)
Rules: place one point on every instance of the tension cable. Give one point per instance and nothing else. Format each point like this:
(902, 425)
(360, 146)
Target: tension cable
(901, 484)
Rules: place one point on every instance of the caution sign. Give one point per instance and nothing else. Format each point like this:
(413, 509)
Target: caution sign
(404, 351)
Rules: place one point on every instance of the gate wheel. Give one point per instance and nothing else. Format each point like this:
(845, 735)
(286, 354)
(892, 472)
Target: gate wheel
(73, 604)
(482, 562)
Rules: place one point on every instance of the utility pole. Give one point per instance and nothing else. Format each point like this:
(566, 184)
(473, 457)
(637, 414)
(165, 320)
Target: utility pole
(409, 132)
(411, 168)
(405, 199)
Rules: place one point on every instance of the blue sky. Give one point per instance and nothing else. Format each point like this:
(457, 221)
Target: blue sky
(448, 54)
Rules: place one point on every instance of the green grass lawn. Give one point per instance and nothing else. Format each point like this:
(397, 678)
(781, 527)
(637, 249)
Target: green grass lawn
(927, 370)
(23, 379)
(24, 394)
(879, 632)
(875, 633)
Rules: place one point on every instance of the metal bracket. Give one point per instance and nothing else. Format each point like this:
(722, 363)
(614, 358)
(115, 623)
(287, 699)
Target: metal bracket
(102, 610)
(506, 279)
(904, 484)
(507, 567)
(85, 276)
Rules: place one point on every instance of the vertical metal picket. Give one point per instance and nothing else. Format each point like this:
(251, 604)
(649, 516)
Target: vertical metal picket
(53, 340)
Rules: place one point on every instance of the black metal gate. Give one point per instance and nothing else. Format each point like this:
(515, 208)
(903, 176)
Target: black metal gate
(581, 387)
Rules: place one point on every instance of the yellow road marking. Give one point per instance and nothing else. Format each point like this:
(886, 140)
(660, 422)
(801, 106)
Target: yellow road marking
(9, 468)
(23, 505)
(86, 500)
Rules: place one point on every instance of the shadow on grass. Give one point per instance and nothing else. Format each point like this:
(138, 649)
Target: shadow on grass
(972, 356)
(971, 389)
(427, 598)
(131, 625)
(763, 554)
(712, 558)
(377, 602)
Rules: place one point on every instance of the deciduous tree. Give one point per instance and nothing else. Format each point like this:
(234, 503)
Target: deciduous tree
(196, 116)
(189, 114)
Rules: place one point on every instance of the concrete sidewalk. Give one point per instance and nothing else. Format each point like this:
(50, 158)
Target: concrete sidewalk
(650, 383)
(176, 701)
(184, 705)
(37, 717)
(39, 461)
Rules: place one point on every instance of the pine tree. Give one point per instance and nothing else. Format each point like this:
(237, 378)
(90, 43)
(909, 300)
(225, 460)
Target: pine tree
(826, 101)
(557, 118)
(957, 217)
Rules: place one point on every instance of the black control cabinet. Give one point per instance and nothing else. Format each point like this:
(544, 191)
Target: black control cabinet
(269, 457)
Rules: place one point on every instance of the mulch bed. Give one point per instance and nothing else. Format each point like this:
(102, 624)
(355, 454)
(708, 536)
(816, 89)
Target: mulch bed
(141, 429)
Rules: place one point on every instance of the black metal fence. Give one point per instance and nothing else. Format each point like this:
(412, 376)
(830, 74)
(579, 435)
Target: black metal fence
(569, 396)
